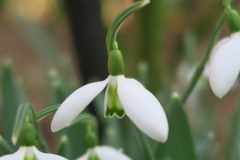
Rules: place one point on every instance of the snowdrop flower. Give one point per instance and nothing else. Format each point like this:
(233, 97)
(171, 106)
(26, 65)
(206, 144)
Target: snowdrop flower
(123, 96)
(28, 151)
(96, 152)
(225, 58)
(103, 153)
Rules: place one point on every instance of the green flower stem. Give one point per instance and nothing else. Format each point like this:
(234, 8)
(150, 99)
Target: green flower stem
(40, 115)
(143, 142)
(201, 66)
(83, 117)
(116, 24)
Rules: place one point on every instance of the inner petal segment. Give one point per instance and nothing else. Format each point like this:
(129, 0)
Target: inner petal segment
(114, 106)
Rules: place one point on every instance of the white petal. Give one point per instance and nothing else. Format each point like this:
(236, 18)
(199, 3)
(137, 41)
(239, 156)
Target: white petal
(217, 46)
(46, 156)
(225, 67)
(19, 155)
(76, 103)
(29, 152)
(135, 82)
(144, 110)
(108, 153)
(84, 157)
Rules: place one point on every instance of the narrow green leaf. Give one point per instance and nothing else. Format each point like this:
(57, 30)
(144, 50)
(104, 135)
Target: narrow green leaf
(62, 149)
(42, 114)
(33, 119)
(180, 145)
(20, 117)
(5, 147)
(12, 97)
(143, 142)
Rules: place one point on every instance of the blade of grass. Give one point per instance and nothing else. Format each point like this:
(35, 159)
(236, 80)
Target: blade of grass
(12, 97)
(20, 117)
(5, 147)
(180, 145)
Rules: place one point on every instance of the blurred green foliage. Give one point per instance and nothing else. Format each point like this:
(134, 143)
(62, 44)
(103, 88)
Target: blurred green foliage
(163, 36)
(12, 96)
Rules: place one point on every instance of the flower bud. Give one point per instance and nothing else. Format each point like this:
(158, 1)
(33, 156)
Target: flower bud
(91, 138)
(233, 20)
(27, 135)
(93, 156)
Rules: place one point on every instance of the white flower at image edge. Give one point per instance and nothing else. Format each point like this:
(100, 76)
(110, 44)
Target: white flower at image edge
(140, 105)
(30, 153)
(225, 64)
(105, 153)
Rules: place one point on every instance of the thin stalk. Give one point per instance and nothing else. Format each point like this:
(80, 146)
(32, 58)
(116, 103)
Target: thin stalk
(40, 115)
(201, 66)
(143, 142)
(116, 24)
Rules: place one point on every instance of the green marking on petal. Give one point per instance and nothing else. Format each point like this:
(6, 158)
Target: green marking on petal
(119, 113)
(114, 106)
(93, 156)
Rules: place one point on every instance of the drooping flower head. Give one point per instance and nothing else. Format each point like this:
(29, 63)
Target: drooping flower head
(27, 150)
(103, 153)
(96, 152)
(123, 96)
(224, 60)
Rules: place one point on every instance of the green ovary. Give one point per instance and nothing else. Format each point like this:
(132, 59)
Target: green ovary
(113, 104)
(29, 158)
(93, 156)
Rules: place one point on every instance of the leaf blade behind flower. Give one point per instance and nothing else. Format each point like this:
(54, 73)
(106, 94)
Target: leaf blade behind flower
(180, 145)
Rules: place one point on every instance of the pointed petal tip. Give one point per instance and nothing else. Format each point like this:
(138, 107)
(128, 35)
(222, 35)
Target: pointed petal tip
(149, 116)
(54, 127)
(224, 67)
(76, 103)
(163, 135)
(219, 96)
(164, 139)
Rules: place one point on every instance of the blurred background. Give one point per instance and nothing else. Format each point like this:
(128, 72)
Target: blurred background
(52, 47)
